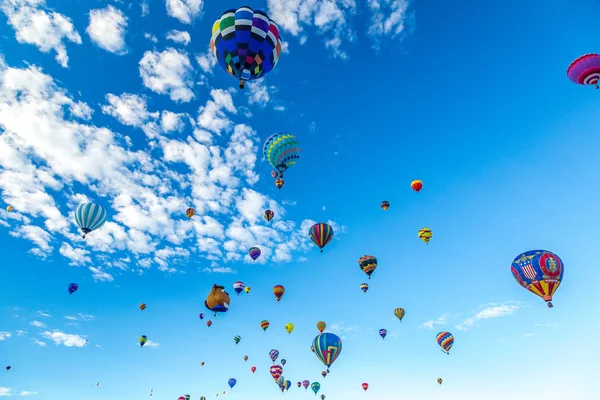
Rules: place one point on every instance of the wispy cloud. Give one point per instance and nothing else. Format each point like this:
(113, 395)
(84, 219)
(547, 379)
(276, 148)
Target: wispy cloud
(21, 332)
(528, 334)
(66, 339)
(492, 311)
(79, 317)
(5, 335)
(550, 325)
(43, 314)
(432, 322)
(39, 342)
(26, 393)
(4, 391)
(37, 324)
(150, 343)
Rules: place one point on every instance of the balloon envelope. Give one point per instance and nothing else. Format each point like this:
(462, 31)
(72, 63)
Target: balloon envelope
(538, 271)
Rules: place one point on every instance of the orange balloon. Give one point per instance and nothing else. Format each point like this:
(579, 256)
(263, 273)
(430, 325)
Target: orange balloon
(417, 185)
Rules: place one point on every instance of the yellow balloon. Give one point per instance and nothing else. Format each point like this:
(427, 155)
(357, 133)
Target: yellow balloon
(247, 289)
(399, 313)
(9, 208)
(289, 327)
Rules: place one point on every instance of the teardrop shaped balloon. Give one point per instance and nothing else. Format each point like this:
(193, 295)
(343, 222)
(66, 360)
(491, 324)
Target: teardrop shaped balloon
(445, 340)
(279, 183)
(237, 339)
(238, 287)
(324, 374)
(299, 384)
(276, 371)
(425, 235)
(246, 43)
(254, 253)
(231, 382)
(142, 340)
(282, 150)
(365, 386)
(269, 215)
(253, 369)
(283, 362)
(385, 205)
(201, 315)
(364, 287)
(368, 264)
(287, 384)
(208, 323)
(278, 291)
(245, 358)
(264, 324)
(72, 288)
(399, 313)
(540, 272)
(327, 347)
(416, 185)
(439, 380)
(321, 234)
(274, 174)
(322, 397)
(315, 386)
(321, 325)
(273, 354)
(289, 327)
(585, 70)
(383, 333)
(89, 217)
(142, 307)
(247, 289)
(9, 208)
(306, 384)
(190, 212)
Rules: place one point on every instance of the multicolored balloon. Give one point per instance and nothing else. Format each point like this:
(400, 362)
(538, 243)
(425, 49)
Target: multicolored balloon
(278, 291)
(276, 371)
(89, 217)
(190, 212)
(142, 307)
(445, 340)
(247, 289)
(245, 358)
(264, 324)
(254, 253)
(246, 43)
(321, 325)
(585, 70)
(268, 215)
(238, 287)
(321, 234)
(274, 174)
(439, 380)
(322, 397)
(365, 386)
(283, 362)
(142, 340)
(540, 272)
(282, 150)
(385, 205)
(287, 384)
(425, 235)
(279, 183)
(327, 347)
(237, 339)
(315, 386)
(72, 288)
(364, 287)
(306, 384)
(368, 264)
(399, 313)
(416, 185)
(383, 333)
(324, 374)
(273, 354)
(208, 323)
(299, 384)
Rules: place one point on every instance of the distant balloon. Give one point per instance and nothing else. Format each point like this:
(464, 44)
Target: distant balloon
(190, 212)
(283, 362)
(247, 289)
(324, 374)
(237, 339)
(72, 288)
(321, 325)
(364, 287)
(142, 307)
(273, 354)
(269, 215)
(238, 287)
(306, 384)
(208, 323)
(416, 185)
(585, 70)
(274, 174)
(89, 217)
(276, 371)
(231, 382)
(254, 253)
(264, 324)
(425, 235)
(299, 384)
(187, 397)
(439, 380)
(327, 348)
(9, 208)
(385, 205)
(383, 333)
(399, 313)
(201, 315)
(218, 299)
(8, 367)
(287, 384)
(322, 397)
(278, 291)
(245, 358)
(143, 339)
(279, 183)
(289, 327)
(540, 272)
(282, 150)
(445, 340)
(321, 234)
(315, 386)
(97, 383)
(365, 386)
(253, 369)
(368, 264)
(202, 364)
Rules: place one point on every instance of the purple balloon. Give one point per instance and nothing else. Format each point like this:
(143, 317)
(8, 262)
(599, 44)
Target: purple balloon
(201, 315)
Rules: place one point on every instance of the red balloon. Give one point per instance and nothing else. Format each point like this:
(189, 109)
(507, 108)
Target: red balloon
(365, 386)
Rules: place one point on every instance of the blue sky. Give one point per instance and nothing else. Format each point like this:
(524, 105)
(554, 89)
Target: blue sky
(97, 104)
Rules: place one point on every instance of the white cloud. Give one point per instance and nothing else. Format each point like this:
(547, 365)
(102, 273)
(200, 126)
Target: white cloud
(80, 317)
(45, 29)
(150, 343)
(388, 18)
(492, 311)
(184, 10)
(206, 61)
(101, 276)
(181, 37)
(170, 121)
(38, 236)
(37, 324)
(129, 109)
(67, 339)
(550, 325)
(169, 72)
(219, 270)
(21, 332)
(4, 391)
(259, 93)
(5, 335)
(26, 393)
(528, 334)
(151, 37)
(440, 321)
(107, 28)
(77, 256)
(39, 343)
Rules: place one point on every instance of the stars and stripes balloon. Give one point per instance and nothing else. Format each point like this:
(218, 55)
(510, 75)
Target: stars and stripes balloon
(585, 70)
(246, 43)
(321, 234)
(89, 217)
(538, 271)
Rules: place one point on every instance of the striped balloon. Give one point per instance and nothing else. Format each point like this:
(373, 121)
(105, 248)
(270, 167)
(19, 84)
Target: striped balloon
(282, 150)
(585, 70)
(89, 217)
(328, 347)
(368, 264)
(142, 307)
(264, 324)
(445, 340)
(254, 253)
(268, 215)
(364, 287)
(246, 43)
(321, 234)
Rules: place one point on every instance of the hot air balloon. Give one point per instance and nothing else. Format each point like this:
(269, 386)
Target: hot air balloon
(324, 374)
(289, 327)
(264, 324)
(97, 383)
(540, 272)
(306, 384)
(279, 183)
(425, 235)
(585, 70)
(322, 397)
(218, 299)
(385, 205)
(150, 392)
(143, 339)
(72, 288)
(328, 347)
(187, 397)
(231, 382)
(238, 287)
(278, 291)
(445, 340)
(321, 325)
(399, 313)
(89, 217)
(315, 386)
(253, 369)
(9, 208)
(283, 362)
(8, 367)
(237, 339)
(246, 43)
(142, 307)
(247, 289)
(287, 384)
(254, 253)
(364, 287)
(281, 380)
(201, 315)
(202, 364)
(245, 358)
(439, 380)
(273, 354)
(299, 384)
(181, 398)
(365, 386)
(282, 150)
(321, 234)
(269, 215)
(276, 371)
(274, 174)
(190, 212)
(383, 333)
(368, 264)
(416, 185)
(208, 323)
